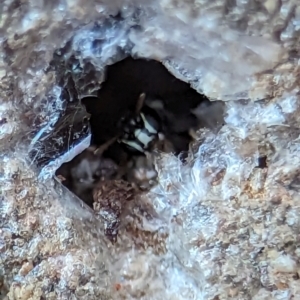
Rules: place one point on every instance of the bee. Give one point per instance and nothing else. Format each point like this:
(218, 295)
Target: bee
(140, 130)
(153, 127)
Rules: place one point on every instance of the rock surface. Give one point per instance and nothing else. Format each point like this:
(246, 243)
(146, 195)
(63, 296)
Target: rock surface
(220, 227)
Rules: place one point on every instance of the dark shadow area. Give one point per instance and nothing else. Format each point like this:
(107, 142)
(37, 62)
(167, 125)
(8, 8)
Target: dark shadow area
(262, 162)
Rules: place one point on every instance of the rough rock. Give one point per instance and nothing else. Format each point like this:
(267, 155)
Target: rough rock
(219, 227)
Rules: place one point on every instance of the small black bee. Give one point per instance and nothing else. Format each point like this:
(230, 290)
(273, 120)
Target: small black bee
(140, 129)
(152, 126)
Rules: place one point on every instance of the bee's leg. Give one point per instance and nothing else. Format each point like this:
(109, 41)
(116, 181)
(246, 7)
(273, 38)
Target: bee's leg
(99, 151)
(192, 134)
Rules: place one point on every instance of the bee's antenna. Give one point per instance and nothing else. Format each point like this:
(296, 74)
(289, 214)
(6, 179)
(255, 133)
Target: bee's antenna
(140, 103)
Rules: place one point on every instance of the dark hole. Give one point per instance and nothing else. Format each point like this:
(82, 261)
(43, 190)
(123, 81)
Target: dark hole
(261, 250)
(116, 100)
(3, 121)
(262, 162)
(167, 108)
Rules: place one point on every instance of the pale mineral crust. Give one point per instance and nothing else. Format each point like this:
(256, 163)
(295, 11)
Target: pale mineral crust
(220, 227)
